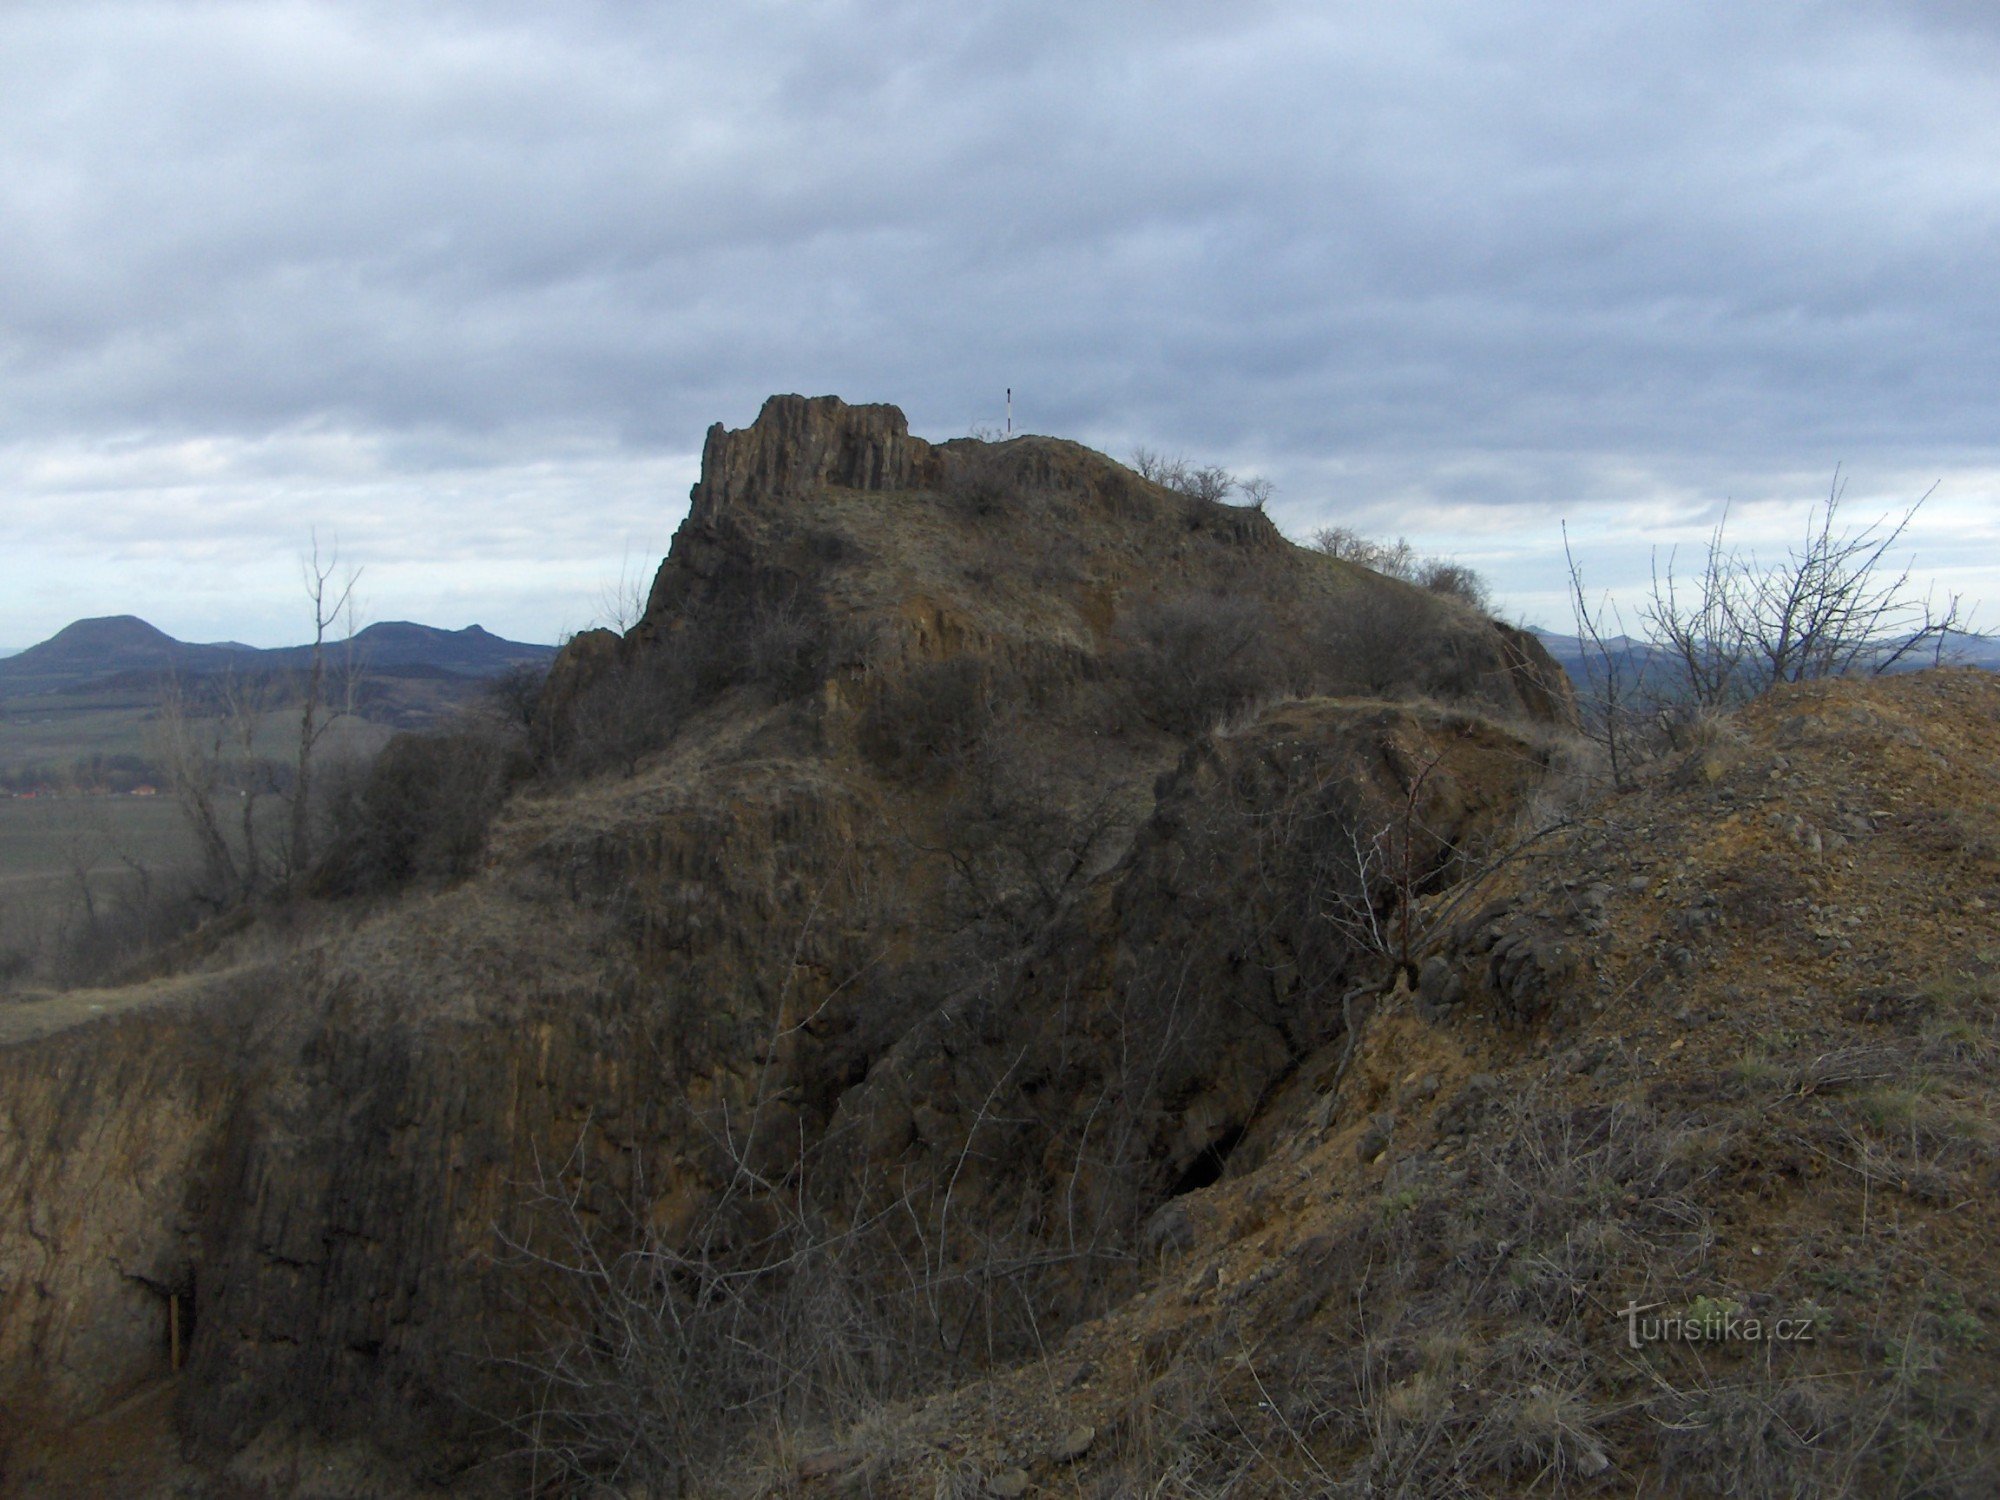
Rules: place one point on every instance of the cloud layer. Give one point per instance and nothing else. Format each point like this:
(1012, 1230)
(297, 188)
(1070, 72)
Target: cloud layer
(465, 283)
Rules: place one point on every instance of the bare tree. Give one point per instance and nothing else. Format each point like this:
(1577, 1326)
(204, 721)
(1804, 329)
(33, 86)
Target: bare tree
(622, 605)
(1398, 559)
(1210, 483)
(1615, 687)
(208, 737)
(331, 604)
(212, 732)
(1168, 471)
(513, 698)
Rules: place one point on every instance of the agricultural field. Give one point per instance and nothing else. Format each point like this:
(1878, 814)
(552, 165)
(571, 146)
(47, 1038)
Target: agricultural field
(57, 729)
(92, 840)
(82, 841)
(47, 741)
(51, 847)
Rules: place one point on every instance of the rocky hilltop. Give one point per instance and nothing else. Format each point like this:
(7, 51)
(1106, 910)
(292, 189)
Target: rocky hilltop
(1010, 978)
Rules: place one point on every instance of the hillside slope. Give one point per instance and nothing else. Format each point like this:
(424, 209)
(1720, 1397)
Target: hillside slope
(1752, 1092)
(103, 647)
(1036, 965)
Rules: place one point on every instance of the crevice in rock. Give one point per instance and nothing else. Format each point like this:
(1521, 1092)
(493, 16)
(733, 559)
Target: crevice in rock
(1207, 1167)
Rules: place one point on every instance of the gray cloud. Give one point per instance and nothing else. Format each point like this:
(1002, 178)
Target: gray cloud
(428, 266)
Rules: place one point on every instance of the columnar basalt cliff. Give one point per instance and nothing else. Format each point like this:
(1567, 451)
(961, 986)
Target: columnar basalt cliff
(108, 1133)
(986, 838)
(798, 446)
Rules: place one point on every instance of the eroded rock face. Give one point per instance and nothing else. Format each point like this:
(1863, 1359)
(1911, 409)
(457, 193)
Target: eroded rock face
(1196, 976)
(797, 445)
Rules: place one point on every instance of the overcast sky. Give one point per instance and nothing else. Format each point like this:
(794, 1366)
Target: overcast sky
(462, 285)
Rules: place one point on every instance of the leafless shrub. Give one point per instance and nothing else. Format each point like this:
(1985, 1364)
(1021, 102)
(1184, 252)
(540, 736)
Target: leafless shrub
(779, 644)
(1454, 581)
(978, 480)
(1830, 609)
(759, 633)
(101, 907)
(1736, 628)
(103, 933)
(649, 1347)
(1017, 843)
(926, 721)
(1168, 471)
(421, 810)
(1373, 878)
(1379, 641)
(650, 1356)
(206, 733)
(622, 604)
(253, 818)
(1209, 483)
(628, 707)
(1398, 559)
(1378, 882)
(1194, 659)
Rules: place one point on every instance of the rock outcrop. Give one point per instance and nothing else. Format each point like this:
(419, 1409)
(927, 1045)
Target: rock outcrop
(799, 445)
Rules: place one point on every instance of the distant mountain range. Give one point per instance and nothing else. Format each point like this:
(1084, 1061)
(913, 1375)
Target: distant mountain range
(1584, 662)
(119, 648)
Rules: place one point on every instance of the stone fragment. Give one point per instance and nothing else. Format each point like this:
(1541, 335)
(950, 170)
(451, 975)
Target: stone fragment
(1168, 1232)
(1439, 984)
(1073, 1444)
(1374, 1139)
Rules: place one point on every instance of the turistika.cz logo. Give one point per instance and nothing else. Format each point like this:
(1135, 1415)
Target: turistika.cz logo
(1711, 1320)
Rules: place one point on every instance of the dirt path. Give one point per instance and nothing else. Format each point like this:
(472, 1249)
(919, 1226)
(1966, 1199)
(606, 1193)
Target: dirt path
(38, 1013)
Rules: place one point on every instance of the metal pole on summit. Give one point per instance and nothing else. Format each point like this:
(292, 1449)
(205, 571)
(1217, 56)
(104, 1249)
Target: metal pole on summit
(1010, 411)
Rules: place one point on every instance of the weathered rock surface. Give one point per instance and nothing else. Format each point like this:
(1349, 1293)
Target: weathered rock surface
(108, 1136)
